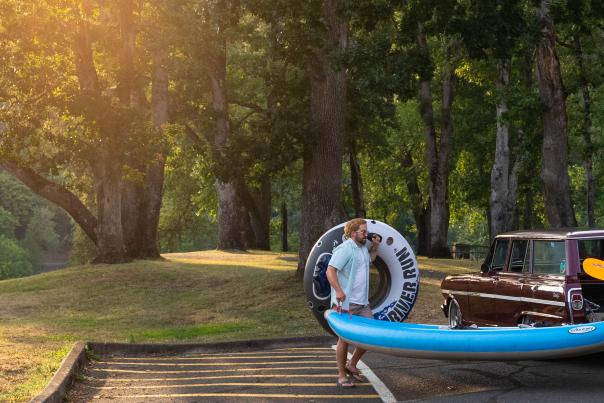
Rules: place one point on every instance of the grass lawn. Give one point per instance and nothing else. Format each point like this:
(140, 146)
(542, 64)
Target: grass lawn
(193, 297)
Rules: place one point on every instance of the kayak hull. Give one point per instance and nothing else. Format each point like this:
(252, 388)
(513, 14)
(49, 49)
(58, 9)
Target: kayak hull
(444, 343)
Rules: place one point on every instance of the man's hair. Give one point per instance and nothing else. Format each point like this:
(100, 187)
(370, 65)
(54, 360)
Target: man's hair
(352, 226)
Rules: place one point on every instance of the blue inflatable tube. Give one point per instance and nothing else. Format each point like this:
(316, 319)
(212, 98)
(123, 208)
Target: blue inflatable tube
(441, 342)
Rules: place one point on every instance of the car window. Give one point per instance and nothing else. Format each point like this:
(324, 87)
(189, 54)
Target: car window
(501, 249)
(526, 268)
(549, 257)
(591, 248)
(518, 256)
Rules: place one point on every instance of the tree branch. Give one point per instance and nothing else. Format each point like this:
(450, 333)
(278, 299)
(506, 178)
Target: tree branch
(563, 44)
(197, 139)
(243, 119)
(249, 105)
(57, 194)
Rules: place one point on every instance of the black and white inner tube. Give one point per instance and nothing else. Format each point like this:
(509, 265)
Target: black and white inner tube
(394, 279)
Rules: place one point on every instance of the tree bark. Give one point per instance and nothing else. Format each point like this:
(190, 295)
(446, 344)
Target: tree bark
(153, 187)
(554, 174)
(257, 203)
(322, 173)
(588, 149)
(284, 230)
(107, 169)
(108, 178)
(260, 217)
(233, 217)
(356, 181)
(421, 212)
(437, 155)
(503, 176)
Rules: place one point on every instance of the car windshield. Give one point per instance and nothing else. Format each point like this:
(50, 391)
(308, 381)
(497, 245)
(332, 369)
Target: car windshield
(550, 257)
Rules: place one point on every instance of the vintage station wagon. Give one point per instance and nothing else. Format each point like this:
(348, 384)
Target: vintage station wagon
(532, 278)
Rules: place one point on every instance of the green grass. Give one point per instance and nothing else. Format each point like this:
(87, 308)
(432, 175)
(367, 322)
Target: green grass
(193, 297)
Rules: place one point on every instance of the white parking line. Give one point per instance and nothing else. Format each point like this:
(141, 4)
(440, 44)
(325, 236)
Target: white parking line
(378, 385)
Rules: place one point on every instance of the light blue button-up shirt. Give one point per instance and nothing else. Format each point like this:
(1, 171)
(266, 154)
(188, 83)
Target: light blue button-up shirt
(345, 262)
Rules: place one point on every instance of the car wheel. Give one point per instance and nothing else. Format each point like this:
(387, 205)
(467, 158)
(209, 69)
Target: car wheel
(455, 318)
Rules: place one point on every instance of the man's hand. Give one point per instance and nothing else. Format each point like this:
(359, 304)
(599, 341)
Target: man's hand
(375, 244)
(375, 241)
(340, 296)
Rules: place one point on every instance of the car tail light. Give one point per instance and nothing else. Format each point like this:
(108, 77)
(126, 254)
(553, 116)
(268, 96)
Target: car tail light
(576, 302)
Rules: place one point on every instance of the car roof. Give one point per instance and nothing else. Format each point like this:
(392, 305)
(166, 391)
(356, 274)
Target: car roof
(563, 233)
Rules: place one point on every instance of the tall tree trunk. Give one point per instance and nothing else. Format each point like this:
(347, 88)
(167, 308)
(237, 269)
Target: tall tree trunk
(586, 129)
(233, 217)
(260, 214)
(322, 173)
(141, 201)
(439, 189)
(421, 212)
(154, 178)
(106, 168)
(111, 245)
(437, 154)
(284, 229)
(356, 181)
(503, 176)
(554, 174)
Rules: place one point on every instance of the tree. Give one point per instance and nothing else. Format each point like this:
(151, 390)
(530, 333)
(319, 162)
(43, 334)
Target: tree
(322, 155)
(97, 122)
(554, 174)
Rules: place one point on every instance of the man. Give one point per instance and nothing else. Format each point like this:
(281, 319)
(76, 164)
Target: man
(348, 275)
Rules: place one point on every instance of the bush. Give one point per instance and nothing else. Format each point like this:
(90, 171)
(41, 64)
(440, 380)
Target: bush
(14, 260)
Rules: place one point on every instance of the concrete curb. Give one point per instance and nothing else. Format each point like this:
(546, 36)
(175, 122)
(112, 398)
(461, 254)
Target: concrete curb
(55, 391)
(157, 348)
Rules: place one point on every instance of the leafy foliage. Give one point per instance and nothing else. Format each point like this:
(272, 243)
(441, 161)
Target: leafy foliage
(14, 260)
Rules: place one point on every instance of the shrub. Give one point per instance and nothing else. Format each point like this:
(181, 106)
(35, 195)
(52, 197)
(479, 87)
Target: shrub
(14, 260)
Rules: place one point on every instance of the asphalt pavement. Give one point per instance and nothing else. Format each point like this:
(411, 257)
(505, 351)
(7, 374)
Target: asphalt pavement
(290, 373)
(571, 380)
(277, 374)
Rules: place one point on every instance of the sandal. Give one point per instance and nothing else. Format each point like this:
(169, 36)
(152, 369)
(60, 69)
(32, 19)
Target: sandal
(345, 384)
(356, 375)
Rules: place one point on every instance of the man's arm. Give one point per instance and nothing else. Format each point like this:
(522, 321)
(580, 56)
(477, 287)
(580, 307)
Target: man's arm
(332, 277)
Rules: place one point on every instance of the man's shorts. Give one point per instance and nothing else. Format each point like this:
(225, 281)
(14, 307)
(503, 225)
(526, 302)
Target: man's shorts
(361, 310)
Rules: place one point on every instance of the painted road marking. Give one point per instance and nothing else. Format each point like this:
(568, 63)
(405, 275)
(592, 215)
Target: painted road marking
(200, 385)
(379, 386)
(303, 348)
(292, 373)
(186, 371)
(199, 378)
(213, 364)
(216, 357)
(280, 395)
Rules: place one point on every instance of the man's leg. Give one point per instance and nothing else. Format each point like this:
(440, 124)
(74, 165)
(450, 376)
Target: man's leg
(341, 355)
(365, 312)
(356, 356)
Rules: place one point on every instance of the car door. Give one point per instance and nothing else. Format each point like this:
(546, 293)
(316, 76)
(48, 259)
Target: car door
(544, 285)
(482, 297)
(509, 285)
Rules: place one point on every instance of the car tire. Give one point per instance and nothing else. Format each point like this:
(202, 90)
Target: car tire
(455, 317)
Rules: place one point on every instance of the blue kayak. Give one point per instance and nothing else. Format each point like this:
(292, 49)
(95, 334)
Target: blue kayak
(482, 343)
